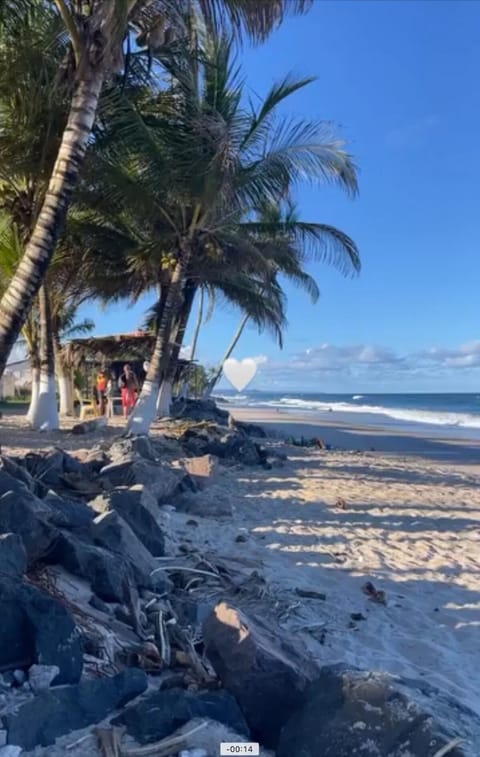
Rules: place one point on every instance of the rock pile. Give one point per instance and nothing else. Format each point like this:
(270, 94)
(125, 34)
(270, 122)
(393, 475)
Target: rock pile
(96, 632)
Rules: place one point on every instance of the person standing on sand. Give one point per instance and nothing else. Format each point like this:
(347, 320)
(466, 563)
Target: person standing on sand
(100, 386)
(128, 384)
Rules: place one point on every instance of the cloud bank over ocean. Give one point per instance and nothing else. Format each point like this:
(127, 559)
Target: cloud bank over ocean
(330, 367)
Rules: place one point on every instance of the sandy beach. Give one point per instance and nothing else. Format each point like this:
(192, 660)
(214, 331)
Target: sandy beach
(410, 525)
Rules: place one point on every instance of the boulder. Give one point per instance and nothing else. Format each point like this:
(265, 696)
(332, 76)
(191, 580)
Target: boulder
(13, 558)
(267, 679)
(233, 446)
(24, 514)
(136, 506)
(111, 532)
(9, 483)
(41, 676)
(161, 480)
(47, 467)
(52, 713)
(203, 470)
(108, 576)
(68, 513)
(200, 410)
(132, 446)
(348, 712)
(95, 458)
(15, 469)
(251, 429)
(37, 629)
(155, 716)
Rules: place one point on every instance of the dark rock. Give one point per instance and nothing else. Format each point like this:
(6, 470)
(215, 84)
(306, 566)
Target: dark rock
(48, 467)
(23, 514)
(159, 714)
(9, 483)
(133, 446)
(200, 410)
(95, 459)
(40, 677)
(310, 593)
(68, 513)
(162, 481)
(134, 507)
(233, 446)
(110, 531)
(348, 712)
(16, 470)
(36, 628)
(58, 711)
(13, 558)
(267, 680)
(108, 576)
(203, 470)
(251, 429)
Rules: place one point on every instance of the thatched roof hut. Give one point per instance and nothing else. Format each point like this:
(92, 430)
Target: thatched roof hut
(134, 347)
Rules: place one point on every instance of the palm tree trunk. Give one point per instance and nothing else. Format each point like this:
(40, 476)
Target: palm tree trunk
(17, 300)
(64, 378)
(35, 368)
(46, 414)
(201, 297)
(178, 333)
(214, 381)
(145, 408)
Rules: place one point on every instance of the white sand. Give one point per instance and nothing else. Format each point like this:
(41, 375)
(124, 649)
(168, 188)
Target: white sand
(411, 526)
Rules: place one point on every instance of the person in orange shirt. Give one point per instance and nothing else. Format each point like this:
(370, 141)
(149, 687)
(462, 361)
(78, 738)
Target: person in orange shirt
(101, 387)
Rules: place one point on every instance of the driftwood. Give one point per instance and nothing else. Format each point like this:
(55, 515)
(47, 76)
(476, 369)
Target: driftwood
(164, 747)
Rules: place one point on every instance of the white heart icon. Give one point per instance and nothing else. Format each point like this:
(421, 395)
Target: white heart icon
(239, 373)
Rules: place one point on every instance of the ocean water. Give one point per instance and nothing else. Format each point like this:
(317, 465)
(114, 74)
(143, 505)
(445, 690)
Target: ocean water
(453, 415)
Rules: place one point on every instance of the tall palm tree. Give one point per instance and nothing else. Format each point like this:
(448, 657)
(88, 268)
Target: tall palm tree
(202, 163)
(100, 40)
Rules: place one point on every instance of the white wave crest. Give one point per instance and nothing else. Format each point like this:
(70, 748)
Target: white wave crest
(463, 420)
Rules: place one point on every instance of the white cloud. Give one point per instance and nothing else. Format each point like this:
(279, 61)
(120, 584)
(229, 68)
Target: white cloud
(370, 364)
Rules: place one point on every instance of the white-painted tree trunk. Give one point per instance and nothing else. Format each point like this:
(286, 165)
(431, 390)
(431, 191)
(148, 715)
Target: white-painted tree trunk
(32, 408)
(145, 410)
(66, 396)
(164, 399)
(45, 416)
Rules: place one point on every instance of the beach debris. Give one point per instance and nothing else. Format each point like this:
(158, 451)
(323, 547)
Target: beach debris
(310, 593)
(341, 503)
(449, 747)
(264, 673)
(376, 595)
(325, 723)
(357, 616)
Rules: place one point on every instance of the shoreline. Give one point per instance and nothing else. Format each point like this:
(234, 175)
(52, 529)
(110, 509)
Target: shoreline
(341, 435)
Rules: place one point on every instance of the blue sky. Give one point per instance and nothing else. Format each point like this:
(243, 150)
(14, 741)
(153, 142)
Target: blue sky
(401, 81)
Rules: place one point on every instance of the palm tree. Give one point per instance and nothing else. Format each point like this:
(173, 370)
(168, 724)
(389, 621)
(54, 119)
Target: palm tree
(100, 36)
(202, 163)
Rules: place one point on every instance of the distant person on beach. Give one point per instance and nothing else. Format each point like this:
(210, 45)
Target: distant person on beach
(128, 384)
(101, 386)
(110, 393)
